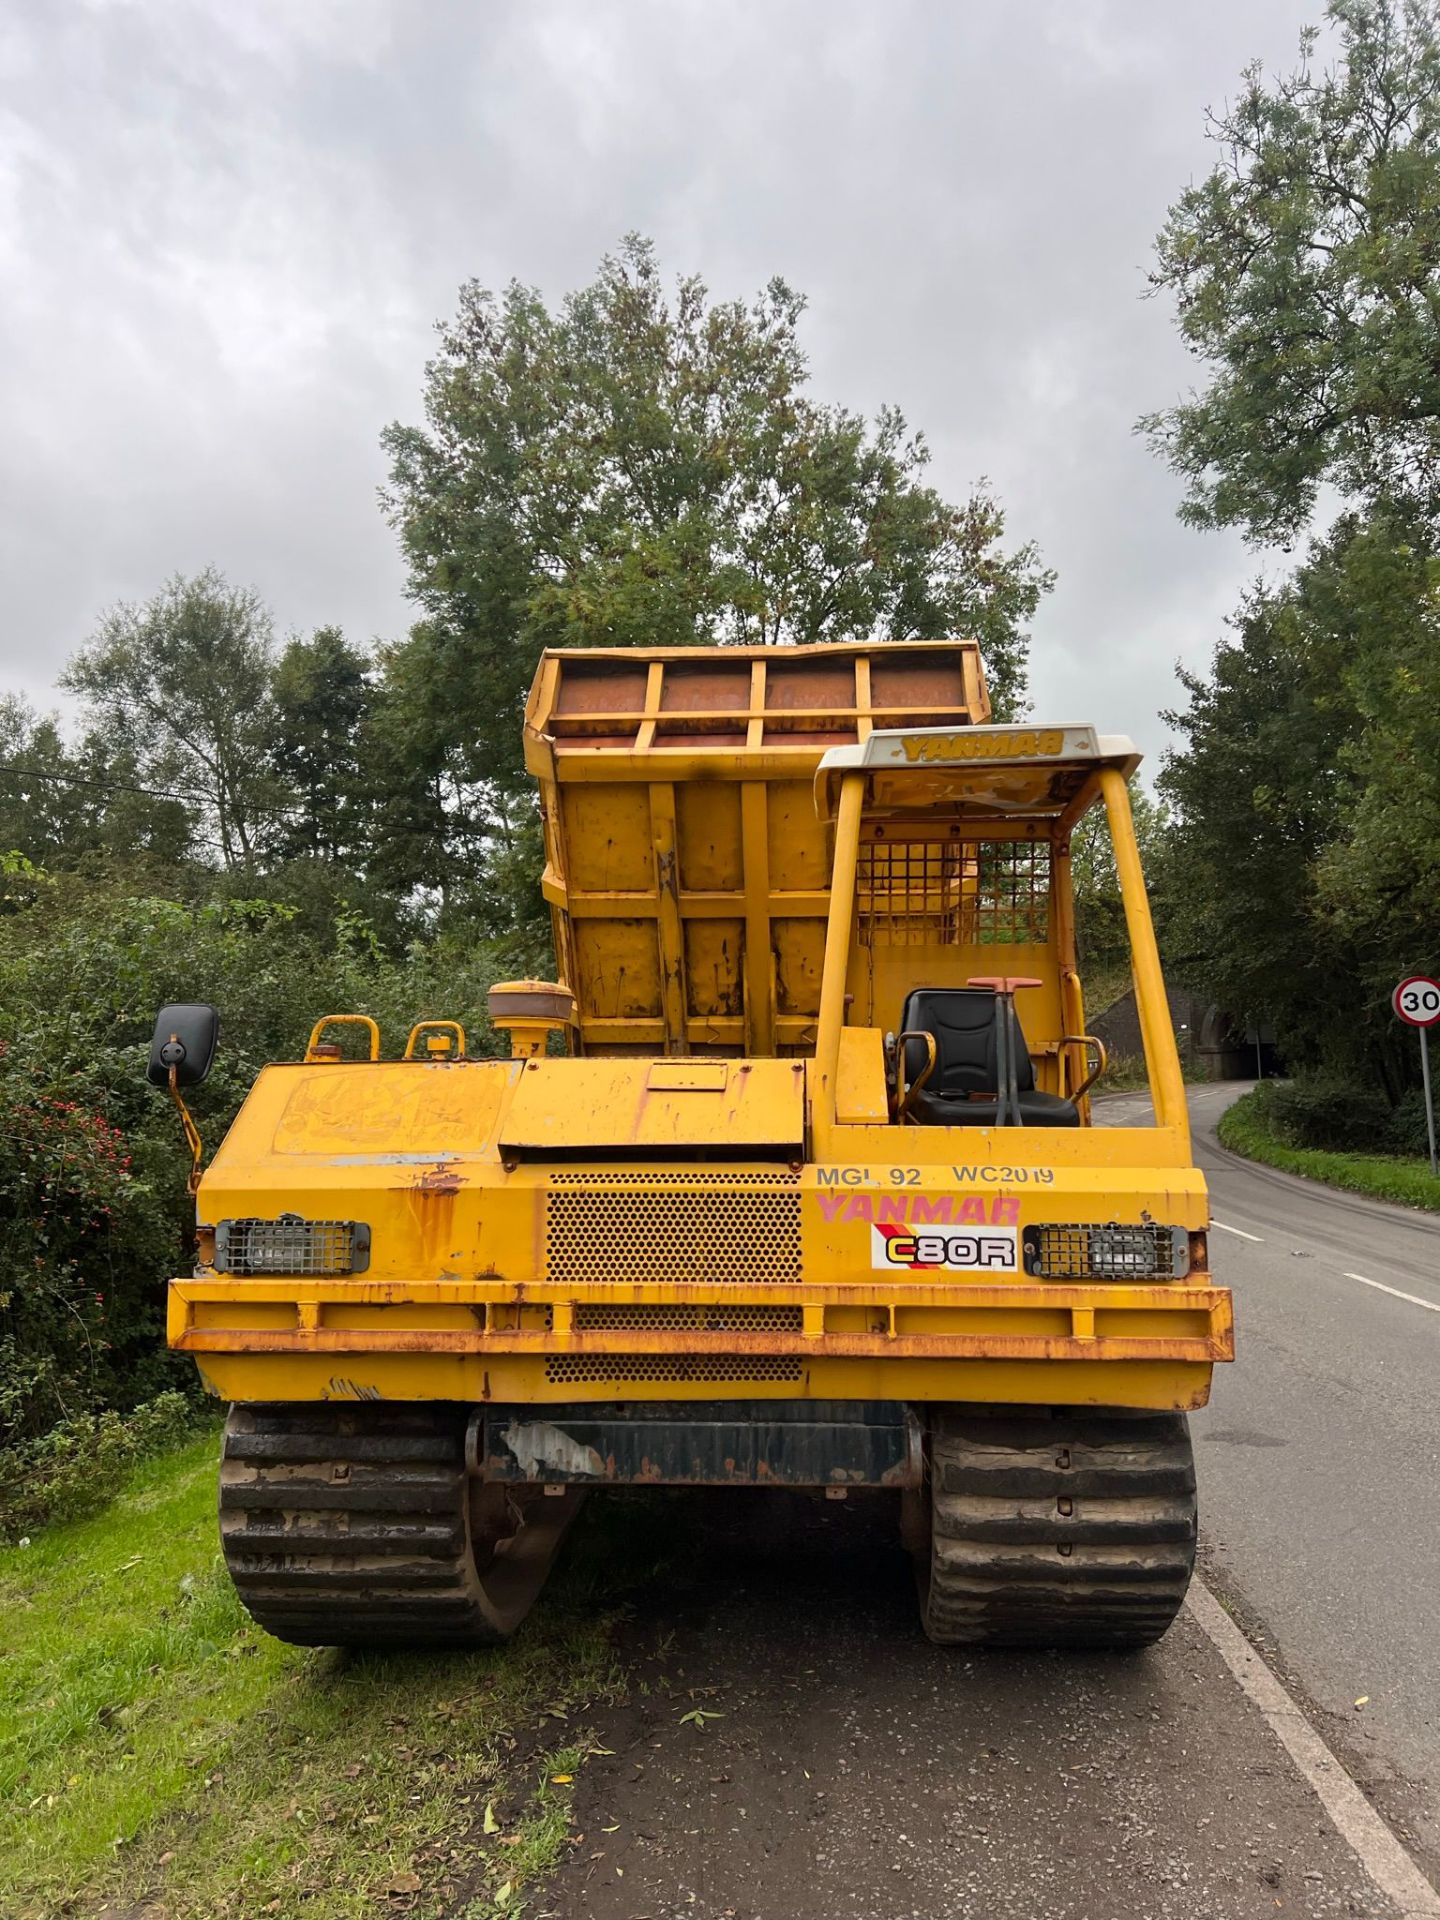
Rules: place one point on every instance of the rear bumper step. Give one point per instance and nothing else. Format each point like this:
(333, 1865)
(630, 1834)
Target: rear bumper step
(1024, 1320)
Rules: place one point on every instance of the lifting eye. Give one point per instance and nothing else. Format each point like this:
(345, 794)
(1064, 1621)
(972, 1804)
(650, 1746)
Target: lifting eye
(319, 1049)
(444, 1040)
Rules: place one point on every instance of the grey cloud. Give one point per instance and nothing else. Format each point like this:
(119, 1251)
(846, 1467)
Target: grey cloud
(226, 230)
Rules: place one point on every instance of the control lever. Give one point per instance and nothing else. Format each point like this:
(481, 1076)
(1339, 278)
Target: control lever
(1005, 986)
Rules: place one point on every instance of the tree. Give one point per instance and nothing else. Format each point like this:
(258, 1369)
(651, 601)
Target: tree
(44, 810)
(321, 691)
(182, 686)
(1102, 938)
(1306, 269)
(1304, 865)
(1378, 881)
(636, 470)
(60, 806)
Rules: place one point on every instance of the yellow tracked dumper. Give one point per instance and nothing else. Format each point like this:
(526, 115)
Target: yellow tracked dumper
(790, 1180)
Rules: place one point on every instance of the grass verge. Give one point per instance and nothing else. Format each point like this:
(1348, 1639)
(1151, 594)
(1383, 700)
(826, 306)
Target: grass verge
(159, 1754)
(1127, 1073)
(1408, 1182)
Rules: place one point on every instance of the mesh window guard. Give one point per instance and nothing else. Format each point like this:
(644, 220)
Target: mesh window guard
(953, 893)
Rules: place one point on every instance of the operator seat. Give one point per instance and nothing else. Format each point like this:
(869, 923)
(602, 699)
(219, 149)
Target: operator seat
(963, 1089)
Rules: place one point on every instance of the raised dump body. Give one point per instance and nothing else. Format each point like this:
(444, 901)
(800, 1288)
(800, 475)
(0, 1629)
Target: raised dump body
(686, 867)
(812, 1198)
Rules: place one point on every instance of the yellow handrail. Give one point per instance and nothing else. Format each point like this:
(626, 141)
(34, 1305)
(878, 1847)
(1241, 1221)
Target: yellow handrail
(1167, 1085)
(904, 1095)
(436, 1026)
(837, 938)
(1087, 1040)
(342, 1020)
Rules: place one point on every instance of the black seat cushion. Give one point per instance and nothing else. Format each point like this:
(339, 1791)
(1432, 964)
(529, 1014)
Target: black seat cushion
(962, 1090)
(956, 1110)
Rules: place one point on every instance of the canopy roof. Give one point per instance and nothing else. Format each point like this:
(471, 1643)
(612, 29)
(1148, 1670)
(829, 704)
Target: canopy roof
(1006, 771)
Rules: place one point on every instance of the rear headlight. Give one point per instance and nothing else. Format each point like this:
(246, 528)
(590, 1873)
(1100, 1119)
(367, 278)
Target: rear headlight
(1107, 1253)
(291, 1246)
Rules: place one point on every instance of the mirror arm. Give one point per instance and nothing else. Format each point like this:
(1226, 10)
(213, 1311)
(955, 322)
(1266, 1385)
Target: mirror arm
(192, 1136)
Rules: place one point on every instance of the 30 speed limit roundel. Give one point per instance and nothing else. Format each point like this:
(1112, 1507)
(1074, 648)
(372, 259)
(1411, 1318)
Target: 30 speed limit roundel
(1417, 1001)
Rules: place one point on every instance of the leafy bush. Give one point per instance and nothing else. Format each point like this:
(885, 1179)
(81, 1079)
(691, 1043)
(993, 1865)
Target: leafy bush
(1408, 1124)
(74, 1229)
(1331, 1113)
(79, 1465)
(1244, 1129)
(94, 1215)
(1328, 1113)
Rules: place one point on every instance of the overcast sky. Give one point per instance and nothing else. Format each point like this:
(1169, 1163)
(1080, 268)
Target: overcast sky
(227, 228)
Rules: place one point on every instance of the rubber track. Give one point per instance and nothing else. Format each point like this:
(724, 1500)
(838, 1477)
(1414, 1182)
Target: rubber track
(348, 1526)
(1070, 1531)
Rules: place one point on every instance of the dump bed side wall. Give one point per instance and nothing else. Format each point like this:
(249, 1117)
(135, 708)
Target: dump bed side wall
(687, 872)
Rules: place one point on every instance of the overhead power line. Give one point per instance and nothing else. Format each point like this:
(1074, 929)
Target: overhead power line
(104, 786)
(186, 795)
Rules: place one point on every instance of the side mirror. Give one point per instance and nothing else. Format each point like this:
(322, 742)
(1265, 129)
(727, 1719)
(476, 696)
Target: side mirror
(185, 1038)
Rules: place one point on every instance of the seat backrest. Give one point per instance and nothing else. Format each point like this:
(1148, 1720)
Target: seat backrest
(962, 1020)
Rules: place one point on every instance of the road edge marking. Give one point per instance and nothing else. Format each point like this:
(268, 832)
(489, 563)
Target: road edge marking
(1359, 1825)
(1380, 1287)
(1240, 1231)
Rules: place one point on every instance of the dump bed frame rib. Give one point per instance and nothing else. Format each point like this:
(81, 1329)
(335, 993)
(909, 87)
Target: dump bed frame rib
(690, 879)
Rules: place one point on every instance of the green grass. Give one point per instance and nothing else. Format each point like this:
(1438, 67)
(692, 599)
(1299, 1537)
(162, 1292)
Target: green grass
(1104, 986)
(156, 1746)
(1126, 1073)
(1408, 1182)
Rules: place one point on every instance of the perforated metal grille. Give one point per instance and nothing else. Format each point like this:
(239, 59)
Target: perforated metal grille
(291, 1246)
(953, 893)
(633, 1236)
(668, 1366)
(598, 1318)
(1105, 1253)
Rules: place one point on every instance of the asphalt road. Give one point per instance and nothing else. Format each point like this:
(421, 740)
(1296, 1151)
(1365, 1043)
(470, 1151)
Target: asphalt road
(844, 1767)
(1319, 1462)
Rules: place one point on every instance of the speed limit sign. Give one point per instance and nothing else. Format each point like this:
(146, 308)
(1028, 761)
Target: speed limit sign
(1417, 1001)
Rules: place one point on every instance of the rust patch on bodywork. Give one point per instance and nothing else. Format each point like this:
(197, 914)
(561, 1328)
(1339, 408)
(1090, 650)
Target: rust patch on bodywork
(443, 1178)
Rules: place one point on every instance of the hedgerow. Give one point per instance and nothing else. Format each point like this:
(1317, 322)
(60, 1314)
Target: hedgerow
(94, 1215)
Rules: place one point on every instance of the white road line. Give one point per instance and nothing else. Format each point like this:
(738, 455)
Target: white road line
(1380, 1287)
(1374, 1845)
(1239, 1232)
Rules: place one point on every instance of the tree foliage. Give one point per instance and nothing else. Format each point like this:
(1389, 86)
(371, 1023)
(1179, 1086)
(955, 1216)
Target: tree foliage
(94, 1215)
(321, 693)
(1306, 853)
(183, 685)
(293, 827)
(1101, 935)
(1304, 269)
(639, 468)
(1258, 794)
(1303, 870)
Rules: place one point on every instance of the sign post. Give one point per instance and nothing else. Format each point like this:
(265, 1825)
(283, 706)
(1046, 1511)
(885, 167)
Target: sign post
(1417, 1002)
